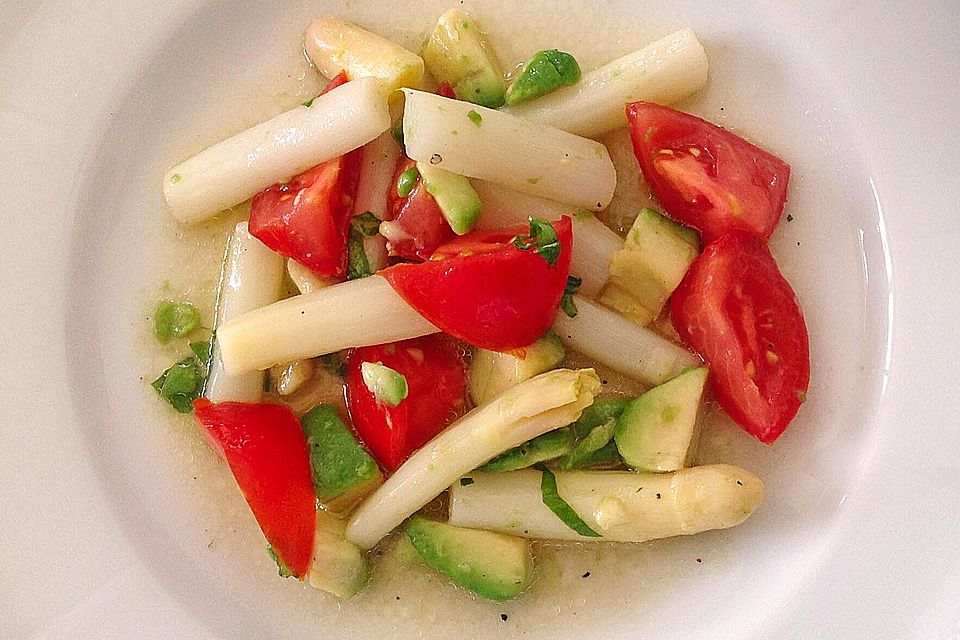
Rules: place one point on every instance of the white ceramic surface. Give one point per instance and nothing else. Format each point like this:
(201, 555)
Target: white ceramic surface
(118, 523)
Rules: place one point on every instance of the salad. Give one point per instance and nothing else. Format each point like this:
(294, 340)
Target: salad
(425, 252)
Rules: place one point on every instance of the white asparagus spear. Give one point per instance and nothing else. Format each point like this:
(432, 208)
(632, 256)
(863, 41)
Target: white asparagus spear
(622, 506)
(306, 280)
(252, 278)
(664, 71)
(355, 313)
(523, 412)
(611, 339)
(335, 45)
(594, 243)
(236, 169)
(477, 142)
(377, 165)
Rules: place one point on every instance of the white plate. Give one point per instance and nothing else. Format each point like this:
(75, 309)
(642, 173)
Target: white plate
(118, 523)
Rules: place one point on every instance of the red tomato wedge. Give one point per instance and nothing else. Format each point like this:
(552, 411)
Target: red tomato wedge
(267, 453)
(308, 218)
(482, 289)
(444, 89)
(740, 314)
(417, 226)
(436, 382)
(704, 176)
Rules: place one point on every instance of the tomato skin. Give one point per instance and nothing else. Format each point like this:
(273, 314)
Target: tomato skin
(483, 290)
(308, 218)
(417, 226)
(704, 176)
(267, 453)
(436, 381)
(446, 90)
(741, 315)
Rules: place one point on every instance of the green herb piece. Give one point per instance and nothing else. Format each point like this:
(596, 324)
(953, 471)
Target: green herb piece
(386, 385)
(559, 506)
(364, 225)
(542, 240)
(566, 302)
(533, 180)
(466, 482)
(309, 103)
(548, 446)
(583, 452)
(284, 570)
(546, 71)
(475, 117)
(397, 131)
(174, 320)
(181, 384)
(203, 350)
(407, 181)
(334, 363)
(175, 178)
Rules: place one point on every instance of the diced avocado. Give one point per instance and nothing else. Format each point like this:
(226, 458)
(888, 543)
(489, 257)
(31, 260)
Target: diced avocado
(386, 385)
(343, 472)
(656, 255)
(339, 566)
(655, 430)
(586, 447)
(457, 53)
(550, 445)
(492, 372)
(492, 565)
(458, 202)
(544, 72)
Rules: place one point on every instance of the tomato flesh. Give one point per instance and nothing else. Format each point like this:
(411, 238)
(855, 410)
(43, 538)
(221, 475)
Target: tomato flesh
(267, 453)
(436, 381)
(417, 226)
(704, 176)
(740, 314)
(483, 290)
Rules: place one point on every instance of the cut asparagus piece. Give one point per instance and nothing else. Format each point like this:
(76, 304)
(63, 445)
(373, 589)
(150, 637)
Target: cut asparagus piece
(613, 340)
(335, 45)
(621, 506)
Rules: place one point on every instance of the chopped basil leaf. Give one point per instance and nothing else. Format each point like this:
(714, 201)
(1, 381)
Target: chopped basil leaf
(466, 482)
(397, 131)
(566, 302)
(407, 181)
(357, 264)
(334, 363)
(542, 240)
(181, 384)
(559, 506)
(475, 117)
(174, 320)
(366, 223)
(284, 570)
(202, 350)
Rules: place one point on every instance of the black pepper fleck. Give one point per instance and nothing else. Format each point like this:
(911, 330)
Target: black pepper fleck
(586, 575)
(605, 382)
(798, 243)
(699, 559)
(436, 159)
(658, 496)
(789, 218)
(504, 617)
(740, 484)
(398, 597)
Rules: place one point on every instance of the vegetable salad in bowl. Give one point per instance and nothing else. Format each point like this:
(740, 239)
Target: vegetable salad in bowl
(426, 256)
